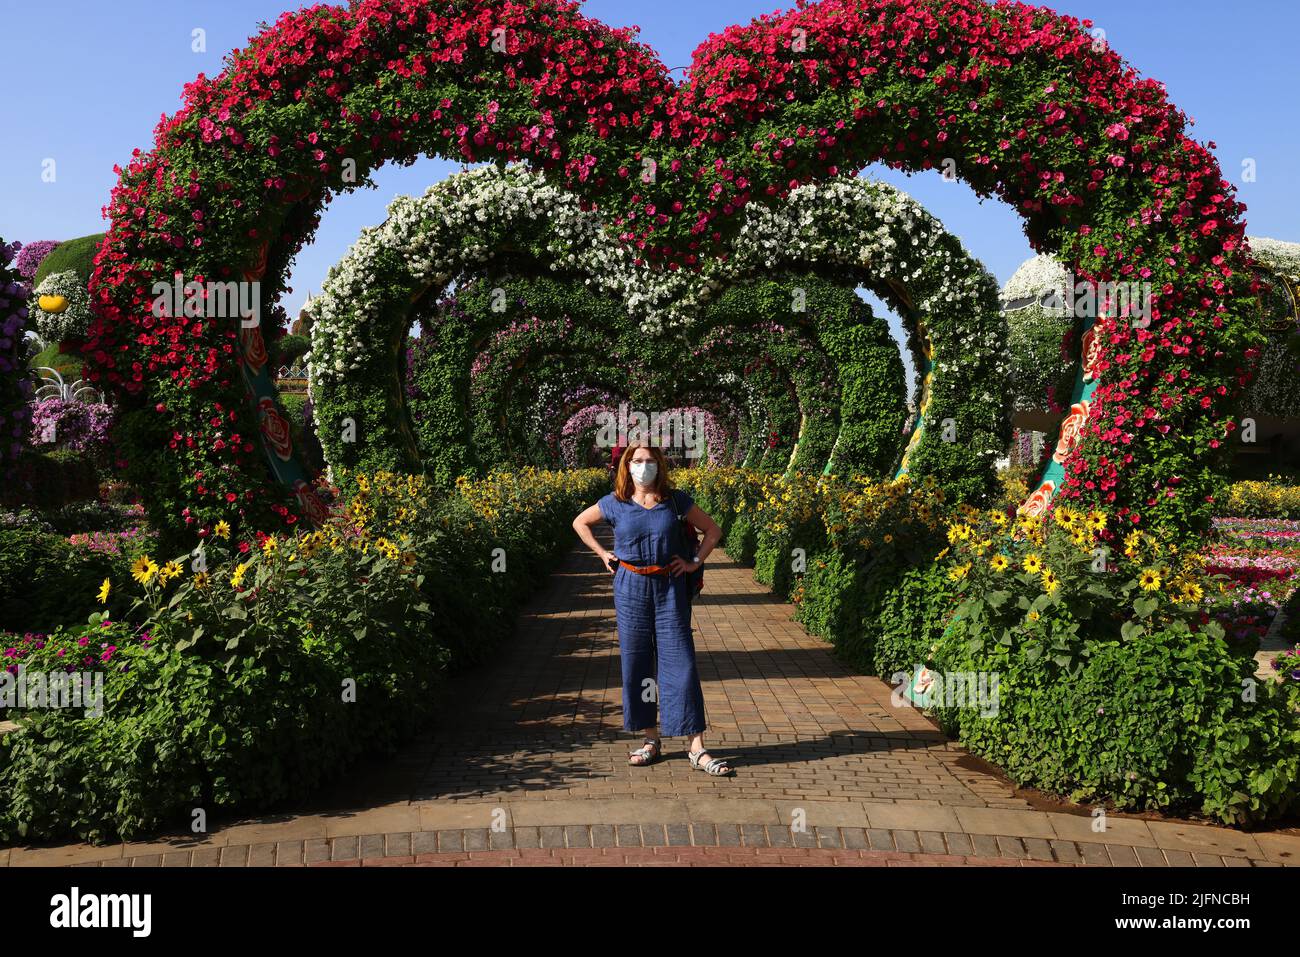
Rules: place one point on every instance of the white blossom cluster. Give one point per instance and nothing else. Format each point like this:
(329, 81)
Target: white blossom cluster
(1281, 257)
(1035, 279)
(879, 234)
(74, 321)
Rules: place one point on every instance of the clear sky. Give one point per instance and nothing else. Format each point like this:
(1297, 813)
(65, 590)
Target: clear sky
(85, 82)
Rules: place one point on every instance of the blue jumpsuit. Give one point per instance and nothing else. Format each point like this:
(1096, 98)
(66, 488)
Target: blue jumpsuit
(656, 647)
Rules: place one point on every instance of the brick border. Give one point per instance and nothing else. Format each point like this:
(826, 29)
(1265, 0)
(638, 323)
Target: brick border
(610, 843)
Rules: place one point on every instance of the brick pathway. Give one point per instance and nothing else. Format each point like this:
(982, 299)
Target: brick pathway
(527, 765)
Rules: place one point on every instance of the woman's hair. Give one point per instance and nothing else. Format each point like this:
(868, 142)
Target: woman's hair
(623, 484)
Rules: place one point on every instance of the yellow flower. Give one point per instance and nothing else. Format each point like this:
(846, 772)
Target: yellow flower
(960, 572)
(999, 563)
(1033, 616)
(143, 569)
(1192, 592)
(1033, 564)
(1097, 521)
(269, 545)
(222, 529)
(201, 580)
(238, 576)
(1050, 581)
(999, 519)
(1150, 580)
(171, 570)
(104, 589)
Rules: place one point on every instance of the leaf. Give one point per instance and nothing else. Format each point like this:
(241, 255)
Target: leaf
(1145, 606)
(1131, 630)
(998, 598)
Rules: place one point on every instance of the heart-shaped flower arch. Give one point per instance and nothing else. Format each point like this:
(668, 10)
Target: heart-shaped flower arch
(853, 231)
(1019, 102)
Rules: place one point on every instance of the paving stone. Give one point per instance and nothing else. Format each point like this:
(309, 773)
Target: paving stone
(958, 843)
(235, 856)
(454, 840)
(855, 838)
(261, 855)
(907, 842)
(424, 842)
(206, 857)
(345, 848)
(1122, 856)
(932, 842)
(398, 844)
(1066, 852)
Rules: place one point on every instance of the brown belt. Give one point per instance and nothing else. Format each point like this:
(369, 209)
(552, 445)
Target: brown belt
(646, 569)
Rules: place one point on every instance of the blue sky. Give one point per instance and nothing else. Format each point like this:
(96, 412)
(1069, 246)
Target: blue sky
(86, 81)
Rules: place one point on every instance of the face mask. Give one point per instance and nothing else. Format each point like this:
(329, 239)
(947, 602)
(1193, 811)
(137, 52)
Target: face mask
(643, 473)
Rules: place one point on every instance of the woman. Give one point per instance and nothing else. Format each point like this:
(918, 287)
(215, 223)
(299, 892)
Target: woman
(653, 589)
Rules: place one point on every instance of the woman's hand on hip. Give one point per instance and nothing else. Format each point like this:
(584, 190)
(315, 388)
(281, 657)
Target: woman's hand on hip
(610, 560)
(679, 566)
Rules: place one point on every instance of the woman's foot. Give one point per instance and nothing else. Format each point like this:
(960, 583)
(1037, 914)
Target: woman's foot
(647, 753)
(706, 762)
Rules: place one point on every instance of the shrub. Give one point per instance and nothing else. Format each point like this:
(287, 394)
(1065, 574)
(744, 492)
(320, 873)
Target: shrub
(75, 255)
(1261, 500)
(276, 664)
(45, 582)
(50, 481)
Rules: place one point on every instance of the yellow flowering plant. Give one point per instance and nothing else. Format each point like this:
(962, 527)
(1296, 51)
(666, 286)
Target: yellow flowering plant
(1049, 581)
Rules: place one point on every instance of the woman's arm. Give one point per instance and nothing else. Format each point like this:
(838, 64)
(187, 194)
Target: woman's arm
(712, 531)
(583, 525)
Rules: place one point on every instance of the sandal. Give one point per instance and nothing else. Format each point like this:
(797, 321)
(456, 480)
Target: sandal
(715, 766)
(648, 753)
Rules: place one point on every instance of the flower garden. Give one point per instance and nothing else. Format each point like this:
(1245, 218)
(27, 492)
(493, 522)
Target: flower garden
(271, 587)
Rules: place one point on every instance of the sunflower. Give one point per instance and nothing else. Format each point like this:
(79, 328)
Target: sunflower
(169, 571)
(1192, 592)
(1097, 521)
(269, 545)
(240, 571)
(1033, 564)
(1149, 580)
(143, 569)
(222, 529)
(999, 563)
(201, 581)
(998, 518)
(104, 589)
(1050, 582)
(1033, 616)
(960, 572)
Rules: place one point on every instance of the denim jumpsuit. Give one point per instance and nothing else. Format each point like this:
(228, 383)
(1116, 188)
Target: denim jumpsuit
(654, 619)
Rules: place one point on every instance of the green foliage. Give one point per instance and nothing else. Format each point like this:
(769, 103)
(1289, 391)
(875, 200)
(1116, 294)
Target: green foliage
(45, 582)
(288, 349)
(75, 255)
(51, 480)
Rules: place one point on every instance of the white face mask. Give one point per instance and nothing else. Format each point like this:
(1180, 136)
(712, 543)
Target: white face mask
(643, 473)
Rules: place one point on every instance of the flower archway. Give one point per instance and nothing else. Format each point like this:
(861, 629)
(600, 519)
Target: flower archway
(1017, 101)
